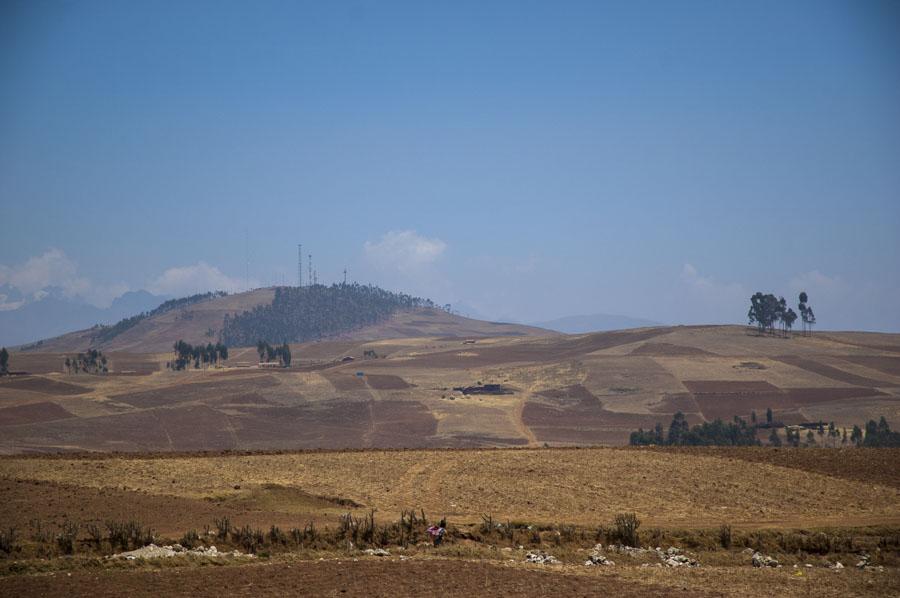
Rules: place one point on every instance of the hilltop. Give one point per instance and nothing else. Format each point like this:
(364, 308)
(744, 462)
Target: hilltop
(243, 318)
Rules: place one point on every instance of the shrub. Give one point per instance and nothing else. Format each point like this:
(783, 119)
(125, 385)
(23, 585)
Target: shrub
(8, 540)
(129, 534)
(276, 536)
(95, 534)
(38, 533)
(223, 528)
(625, 529)
(487, 524)
(190, 539)
(725, 536)
(248, 538)
(65, 540)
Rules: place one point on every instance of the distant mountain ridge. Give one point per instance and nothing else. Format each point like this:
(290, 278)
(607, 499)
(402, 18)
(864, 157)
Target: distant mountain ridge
(595, 323)
(56, 314)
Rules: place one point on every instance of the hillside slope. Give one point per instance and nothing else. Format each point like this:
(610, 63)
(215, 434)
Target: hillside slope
(416, 391)
(202, 322)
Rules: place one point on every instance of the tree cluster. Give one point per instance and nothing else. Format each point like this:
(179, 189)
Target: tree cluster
(4, 361)
(106, 333)
(716, 433)
(808, 318)
(878, 435)
(187, 354)
(89, 362)
(299, 314)
(269, 353)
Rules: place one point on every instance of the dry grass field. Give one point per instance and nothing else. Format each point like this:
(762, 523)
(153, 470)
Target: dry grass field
(771, 499)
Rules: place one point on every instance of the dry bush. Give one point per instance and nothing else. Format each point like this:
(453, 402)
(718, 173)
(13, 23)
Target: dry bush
(223, 528)
(65, 539)
(8, 540)
(625, 527)
(190, 539)
(128, 535)
(725, 536)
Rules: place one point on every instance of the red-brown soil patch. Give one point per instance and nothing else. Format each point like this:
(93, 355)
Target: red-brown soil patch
(830, 372)
(344, 380)
(730, 386)
(540, 350)
(32, 412)
(869, 465)
(882, 363)
(343, 577)
(723, 399)
(811, 396)
(672, 403)
(43, 385)
(386, 382)
(668, 350)
(251, 398)
(573, 414)
(133, 363)
(195, 391)
(332, 425)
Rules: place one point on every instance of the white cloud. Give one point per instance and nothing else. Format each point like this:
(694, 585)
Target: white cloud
(406, 261)
(404, 251)
(708, 300)
(54, 268)
(197, 278)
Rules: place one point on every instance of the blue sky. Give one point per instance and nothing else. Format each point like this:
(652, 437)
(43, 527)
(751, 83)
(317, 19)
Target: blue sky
(531, 160)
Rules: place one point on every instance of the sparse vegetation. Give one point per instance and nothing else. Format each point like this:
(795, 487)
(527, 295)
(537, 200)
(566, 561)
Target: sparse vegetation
(107, 333)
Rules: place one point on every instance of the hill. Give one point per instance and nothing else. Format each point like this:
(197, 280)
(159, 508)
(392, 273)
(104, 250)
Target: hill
(432, 391)
(594, 323)
(56, 314)
(277, 314)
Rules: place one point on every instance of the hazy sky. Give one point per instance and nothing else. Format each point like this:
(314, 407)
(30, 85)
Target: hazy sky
(532, 160)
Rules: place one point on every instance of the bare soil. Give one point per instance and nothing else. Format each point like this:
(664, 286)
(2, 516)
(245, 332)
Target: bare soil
(339, 577)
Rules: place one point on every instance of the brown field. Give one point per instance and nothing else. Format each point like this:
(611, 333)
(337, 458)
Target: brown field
(405, 398)
(682, 495)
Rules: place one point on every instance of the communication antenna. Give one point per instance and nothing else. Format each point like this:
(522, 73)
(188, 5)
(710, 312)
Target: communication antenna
(299, 264)
(309, 271)
(247, 257)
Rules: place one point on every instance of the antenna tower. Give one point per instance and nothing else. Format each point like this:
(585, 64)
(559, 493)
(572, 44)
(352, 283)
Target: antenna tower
(345, 276)
(309, 271)
(299, 264)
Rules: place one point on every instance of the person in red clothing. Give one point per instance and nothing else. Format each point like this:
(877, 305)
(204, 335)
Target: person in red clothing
(437, 532)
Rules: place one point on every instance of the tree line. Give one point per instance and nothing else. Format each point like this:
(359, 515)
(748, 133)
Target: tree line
(716, 433)
(282, 353)
(299, 314)
(766, 311)
(740, 433)
(4, 361)
(187, 354)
